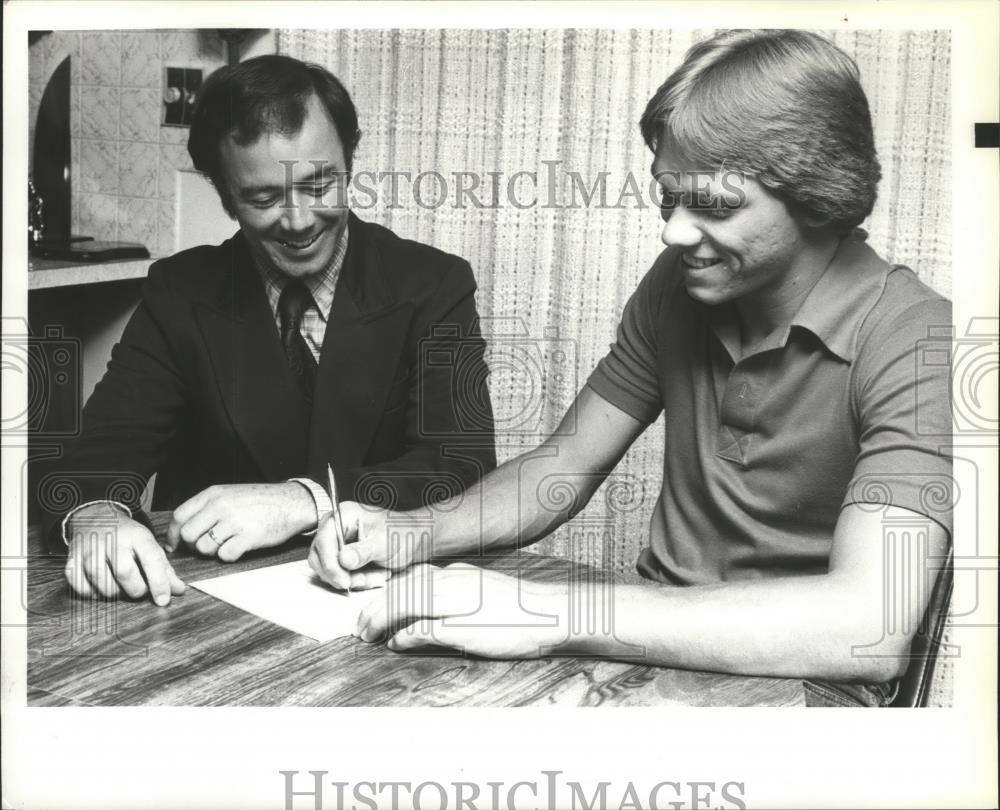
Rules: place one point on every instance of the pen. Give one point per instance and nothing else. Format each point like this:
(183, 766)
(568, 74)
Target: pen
(338, 525)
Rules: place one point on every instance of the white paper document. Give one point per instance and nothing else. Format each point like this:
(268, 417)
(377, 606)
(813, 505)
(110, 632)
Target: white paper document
(293, 596)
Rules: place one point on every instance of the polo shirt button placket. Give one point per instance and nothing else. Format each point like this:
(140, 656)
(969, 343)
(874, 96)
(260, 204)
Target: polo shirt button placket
(738, 415)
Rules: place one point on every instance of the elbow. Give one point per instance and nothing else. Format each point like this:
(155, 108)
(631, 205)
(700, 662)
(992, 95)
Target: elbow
(864, 642)
(869, 666)
(895, 660)
(868, 654)
(880, 668)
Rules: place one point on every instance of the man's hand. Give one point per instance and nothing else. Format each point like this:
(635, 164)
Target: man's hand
(111, 555)
(226, 521)
(385, 542)
(470, 609)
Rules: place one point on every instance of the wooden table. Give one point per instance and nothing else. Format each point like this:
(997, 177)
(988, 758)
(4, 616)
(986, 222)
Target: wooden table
(200, 651)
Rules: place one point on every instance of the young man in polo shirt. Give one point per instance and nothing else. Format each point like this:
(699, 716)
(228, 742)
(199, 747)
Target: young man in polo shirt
(784, 353)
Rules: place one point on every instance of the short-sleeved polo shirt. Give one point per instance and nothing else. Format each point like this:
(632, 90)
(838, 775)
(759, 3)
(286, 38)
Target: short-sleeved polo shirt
(763, 450)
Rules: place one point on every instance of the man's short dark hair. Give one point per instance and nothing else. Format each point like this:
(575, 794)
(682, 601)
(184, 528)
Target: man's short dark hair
(266, 94)
(784, 106)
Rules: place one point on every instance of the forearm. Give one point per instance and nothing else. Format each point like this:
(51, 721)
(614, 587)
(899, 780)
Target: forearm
(520, 502)
(801, 627)
(534, 493)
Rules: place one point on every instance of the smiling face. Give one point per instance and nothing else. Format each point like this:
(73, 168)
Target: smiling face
(288, 193)
(738, 240)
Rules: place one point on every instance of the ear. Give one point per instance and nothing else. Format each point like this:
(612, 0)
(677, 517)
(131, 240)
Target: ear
(814, 220)
(817, 226)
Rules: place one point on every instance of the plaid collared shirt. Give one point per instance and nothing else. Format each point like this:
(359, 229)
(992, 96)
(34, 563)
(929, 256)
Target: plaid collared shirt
(321, 285)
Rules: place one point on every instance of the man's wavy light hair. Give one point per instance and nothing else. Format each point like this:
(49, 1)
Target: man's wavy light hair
(784, 106)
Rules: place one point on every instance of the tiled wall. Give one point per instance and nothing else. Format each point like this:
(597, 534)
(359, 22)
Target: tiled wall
(123, 158)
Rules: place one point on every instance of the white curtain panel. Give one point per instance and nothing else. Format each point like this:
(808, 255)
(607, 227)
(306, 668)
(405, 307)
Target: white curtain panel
(554, 276)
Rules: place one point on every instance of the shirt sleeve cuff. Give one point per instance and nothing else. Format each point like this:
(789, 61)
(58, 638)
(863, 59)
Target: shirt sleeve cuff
(74, 510)
(321, 500)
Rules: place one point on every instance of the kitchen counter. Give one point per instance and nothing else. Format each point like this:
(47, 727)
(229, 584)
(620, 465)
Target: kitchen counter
(49, 273)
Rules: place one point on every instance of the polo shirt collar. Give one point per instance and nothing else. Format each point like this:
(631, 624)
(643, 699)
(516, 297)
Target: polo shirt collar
(833, 311)
(844, 295)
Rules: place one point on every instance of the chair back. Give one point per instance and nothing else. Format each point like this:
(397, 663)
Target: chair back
(915, 685)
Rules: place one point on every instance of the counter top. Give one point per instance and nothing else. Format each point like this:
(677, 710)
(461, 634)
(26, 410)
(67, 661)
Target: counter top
(49, 273)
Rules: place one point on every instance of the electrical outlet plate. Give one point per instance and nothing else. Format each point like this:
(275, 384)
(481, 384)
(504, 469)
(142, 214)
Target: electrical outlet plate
(188, 82)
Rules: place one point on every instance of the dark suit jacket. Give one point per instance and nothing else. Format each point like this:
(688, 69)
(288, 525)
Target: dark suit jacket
(200, 392)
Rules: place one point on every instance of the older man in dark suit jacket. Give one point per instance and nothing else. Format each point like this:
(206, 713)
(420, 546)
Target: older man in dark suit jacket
(309, 338)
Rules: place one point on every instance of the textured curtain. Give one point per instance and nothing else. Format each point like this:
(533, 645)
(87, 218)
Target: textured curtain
(554, 273)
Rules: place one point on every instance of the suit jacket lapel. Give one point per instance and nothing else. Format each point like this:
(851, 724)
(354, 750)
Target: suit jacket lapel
(361, 350)
(254, 379)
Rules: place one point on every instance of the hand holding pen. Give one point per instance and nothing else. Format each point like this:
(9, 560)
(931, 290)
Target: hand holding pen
(359, 547)
(330, 541)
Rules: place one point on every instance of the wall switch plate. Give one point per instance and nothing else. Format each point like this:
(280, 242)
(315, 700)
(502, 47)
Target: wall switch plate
(180, 90)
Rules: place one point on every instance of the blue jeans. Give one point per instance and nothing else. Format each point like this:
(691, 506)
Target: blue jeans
(850, 695)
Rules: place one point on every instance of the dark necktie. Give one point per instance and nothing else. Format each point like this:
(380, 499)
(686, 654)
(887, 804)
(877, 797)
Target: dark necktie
(294, 300)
